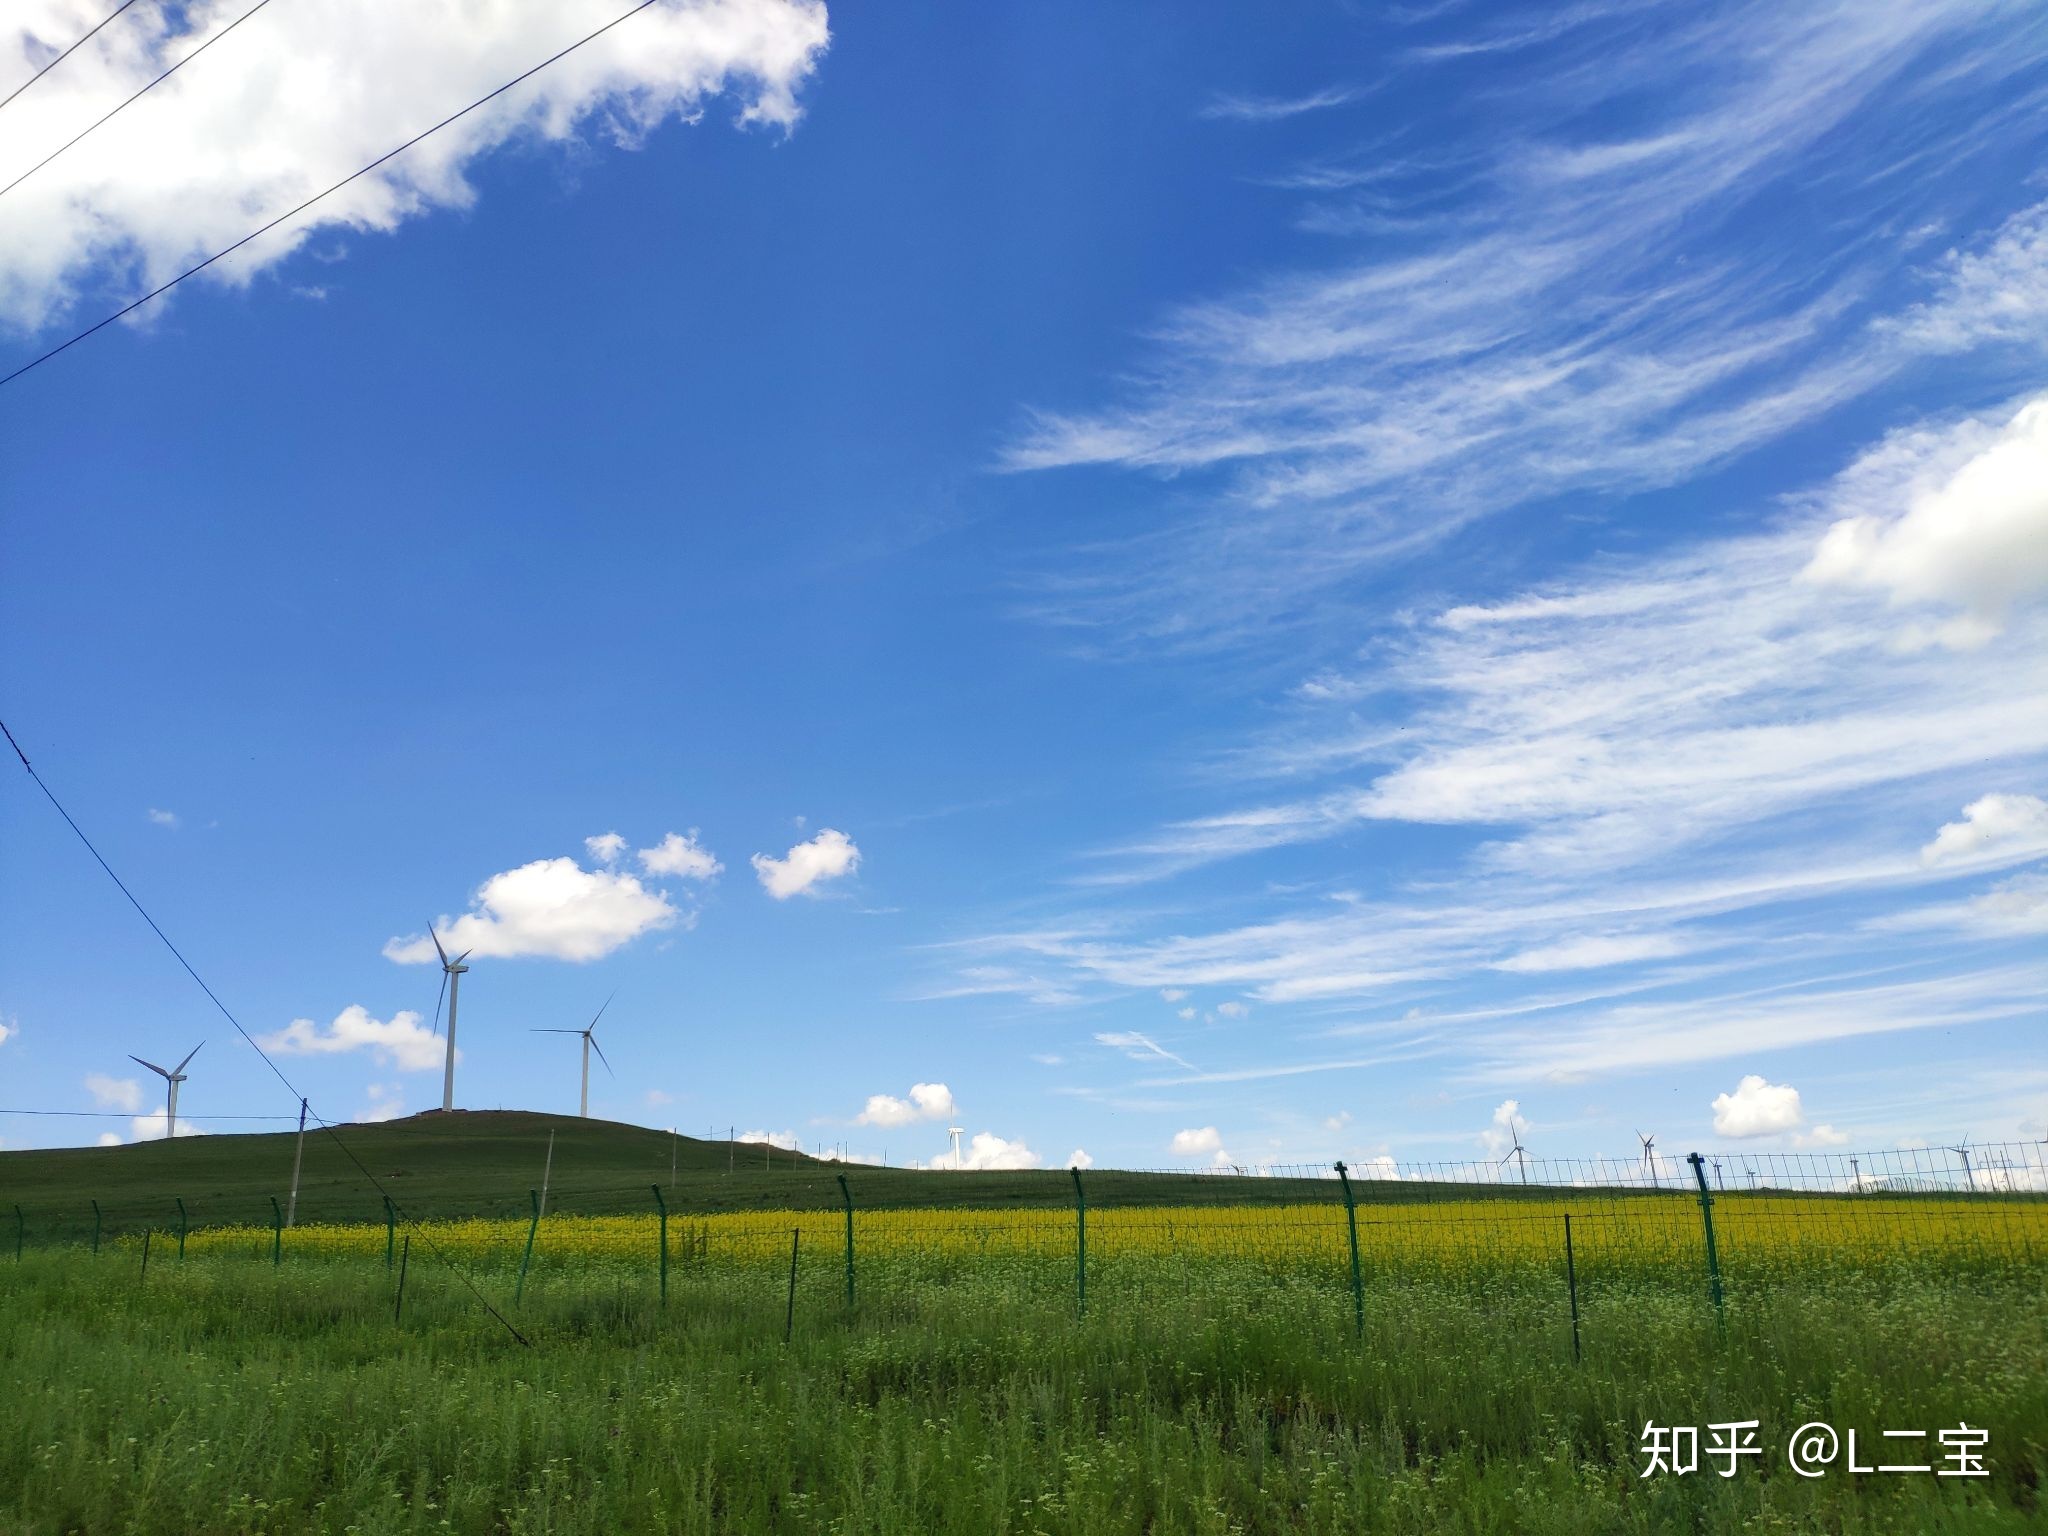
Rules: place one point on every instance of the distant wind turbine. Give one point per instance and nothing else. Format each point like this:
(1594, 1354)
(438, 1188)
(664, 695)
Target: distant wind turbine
(589, 1044)
(1963, 1151)
(954, 1132)
(451, 980)
(1649, 1154)
(171, 1080)
(1517, 1152)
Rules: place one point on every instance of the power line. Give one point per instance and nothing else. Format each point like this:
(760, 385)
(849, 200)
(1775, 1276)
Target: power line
(32, 79)
(123, 1114)
(289, 213)
(159, 80)
(178, 954)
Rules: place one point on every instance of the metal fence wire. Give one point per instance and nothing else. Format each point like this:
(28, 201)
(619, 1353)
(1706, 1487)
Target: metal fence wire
(1728, 1230)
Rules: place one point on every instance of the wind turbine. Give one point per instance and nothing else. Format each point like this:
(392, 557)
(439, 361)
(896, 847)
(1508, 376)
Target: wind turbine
(1516, 1151)
(1649, 1155)
(954, 1132)
(1963, 1151)
(589, 1044)
(171, 1080)
(451, 979)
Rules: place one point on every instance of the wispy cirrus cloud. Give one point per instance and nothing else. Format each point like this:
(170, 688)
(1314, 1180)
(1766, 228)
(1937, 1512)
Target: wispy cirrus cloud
(1233, 107)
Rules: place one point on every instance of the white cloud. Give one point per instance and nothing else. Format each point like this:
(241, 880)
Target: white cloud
(1973, 536)
(1822, 1136)
(400, 1042)
(164, 818)
(606, 847)
(827, 856)
(552, 908)
(9, 1028)
(1195, 1143)
(110, 1139)
(122, 1093)
(1986, 821)
(150, 1127)
(784, 1140)
(1270, 109)
(681, 855)
(1232, 1010)
(1593, 952)
(1080, 1159)
(1337, 1122)
(1140, 1047)
(181, 176)
(988, 1151)
(927, 1101)
(386, 1102)
(1499, 1138)
(1996, 294)
(1173, 994)
(1757, 1108)
(657, 1097)
(1185, 1013)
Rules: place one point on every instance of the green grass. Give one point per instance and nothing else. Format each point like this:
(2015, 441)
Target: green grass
(223, 1395)
(484, 1162)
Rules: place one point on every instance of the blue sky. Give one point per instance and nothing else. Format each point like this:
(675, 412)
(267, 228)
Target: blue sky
(1199, 587)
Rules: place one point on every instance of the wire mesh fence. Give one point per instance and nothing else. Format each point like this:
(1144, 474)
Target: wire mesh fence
(1728, 1231)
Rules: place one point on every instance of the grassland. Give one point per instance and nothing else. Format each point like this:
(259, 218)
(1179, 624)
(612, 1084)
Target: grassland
(1216, 1381)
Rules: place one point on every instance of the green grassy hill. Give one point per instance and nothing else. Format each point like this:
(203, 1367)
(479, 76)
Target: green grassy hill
(484, 1163)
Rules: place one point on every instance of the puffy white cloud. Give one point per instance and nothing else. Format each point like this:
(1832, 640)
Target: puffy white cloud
(1232, 1010)
(1499, 1138)
(1173, 994)
(1196, 1143)
(110, 1139)
(990, 1151)
(1757, 1108)
(1991, 819)
(927, 1101)
(122, 1093)
(399, 1042)
(150, 1127)
(551, 907)
(827, 856)
(682, 855)
(164, 818)
(1337, 1122)
(784, 1140)
(1080, 1159)
(1972, 535)
(1822, 1136)
(334, 85)
(606, 847)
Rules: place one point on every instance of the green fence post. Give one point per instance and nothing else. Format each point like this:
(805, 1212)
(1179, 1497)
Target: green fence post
(519, 1292)
(276, 1233)
(1571, 1283)
(789, 1315)
(145, 1256)
(663, 1205)
(404, 1258)
(1357, 1280)
(390, 1229)
(181, 1228)
(95, 1229)
(1699, 1172)
(1080, 1246)
(847, 1195)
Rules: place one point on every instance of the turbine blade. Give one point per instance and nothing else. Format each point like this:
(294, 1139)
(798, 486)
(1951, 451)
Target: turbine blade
(159, 1071)
(556, 1031)
(600, 1052)
(438, 999)
(600, 1012)
(188, 1058)
(462, 957)
(437, 946)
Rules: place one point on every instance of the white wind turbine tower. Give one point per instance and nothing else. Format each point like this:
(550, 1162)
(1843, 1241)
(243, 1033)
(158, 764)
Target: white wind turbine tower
(1517, 1152)
(954, 1132)
(589, 1044)
(171, 1080)
(1649, 1155)
(451, 981)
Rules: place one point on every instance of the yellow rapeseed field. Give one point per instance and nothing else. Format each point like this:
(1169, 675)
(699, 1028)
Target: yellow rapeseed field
(1646, 1230)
